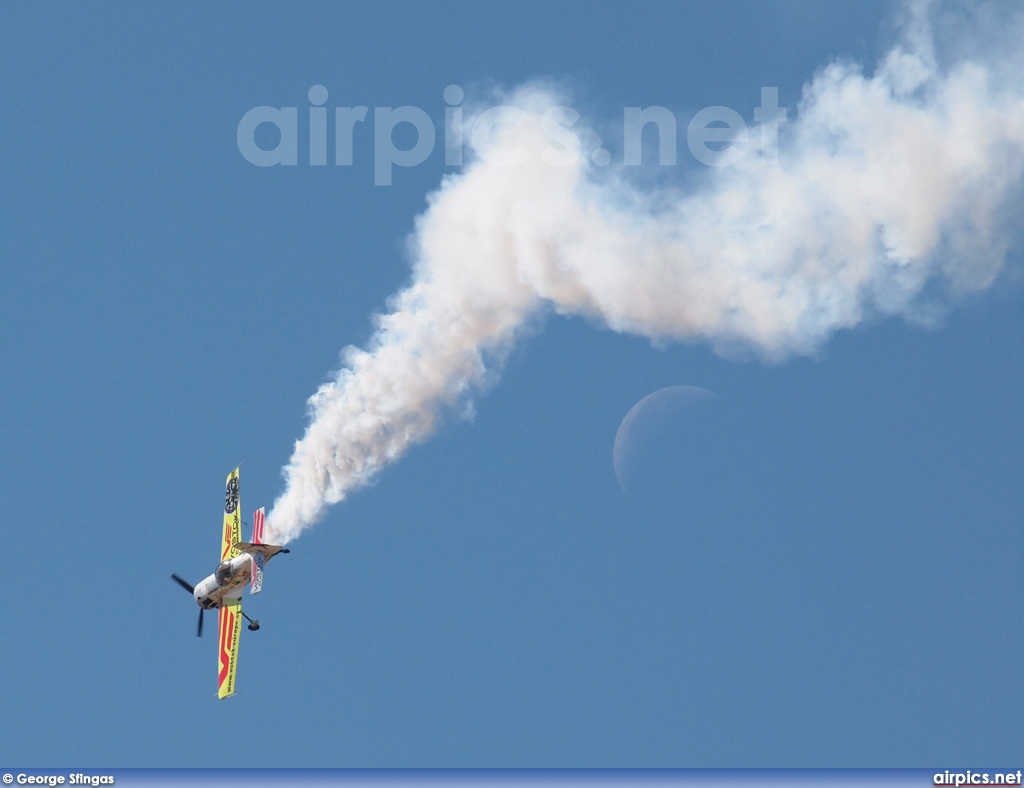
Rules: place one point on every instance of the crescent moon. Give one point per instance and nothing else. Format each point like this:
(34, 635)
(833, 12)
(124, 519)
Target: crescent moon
(654, 410)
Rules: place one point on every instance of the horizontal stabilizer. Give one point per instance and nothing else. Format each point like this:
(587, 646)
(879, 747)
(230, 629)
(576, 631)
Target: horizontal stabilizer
(261, 554)
(268, 551)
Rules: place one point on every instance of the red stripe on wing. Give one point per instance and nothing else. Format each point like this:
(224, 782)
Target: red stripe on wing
(226, 629)
(227, 541)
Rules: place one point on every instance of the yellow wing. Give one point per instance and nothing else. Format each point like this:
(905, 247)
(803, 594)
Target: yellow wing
(232, 517)
(229, 633)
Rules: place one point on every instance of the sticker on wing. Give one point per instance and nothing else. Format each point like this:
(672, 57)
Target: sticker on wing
(229, 633)
(232, 532)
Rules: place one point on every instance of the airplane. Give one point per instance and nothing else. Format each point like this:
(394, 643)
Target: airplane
(240, 563)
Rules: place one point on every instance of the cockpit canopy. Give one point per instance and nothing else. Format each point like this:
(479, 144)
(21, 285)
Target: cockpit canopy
(223, 573)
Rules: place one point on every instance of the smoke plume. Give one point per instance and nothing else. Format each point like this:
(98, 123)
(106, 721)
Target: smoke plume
(894, 195)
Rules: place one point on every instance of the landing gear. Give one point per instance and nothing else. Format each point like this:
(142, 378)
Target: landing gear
(253, 624)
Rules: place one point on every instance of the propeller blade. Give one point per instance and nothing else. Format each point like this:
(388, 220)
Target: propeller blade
(199, 630)
(187, 586)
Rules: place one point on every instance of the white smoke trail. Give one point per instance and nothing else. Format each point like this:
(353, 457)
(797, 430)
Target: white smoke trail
(892, 195)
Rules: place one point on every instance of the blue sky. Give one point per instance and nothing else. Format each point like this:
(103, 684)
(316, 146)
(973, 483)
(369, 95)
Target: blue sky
(834, 581)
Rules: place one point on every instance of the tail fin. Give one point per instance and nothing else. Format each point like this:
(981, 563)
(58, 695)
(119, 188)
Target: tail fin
(261, 553)
(258, 560)
(257, 573)
(258, 519)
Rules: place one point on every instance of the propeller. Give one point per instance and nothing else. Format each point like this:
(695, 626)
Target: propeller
(188, 587)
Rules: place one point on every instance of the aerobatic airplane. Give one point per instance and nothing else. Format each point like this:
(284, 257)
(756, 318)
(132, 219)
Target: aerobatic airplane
(240, 563)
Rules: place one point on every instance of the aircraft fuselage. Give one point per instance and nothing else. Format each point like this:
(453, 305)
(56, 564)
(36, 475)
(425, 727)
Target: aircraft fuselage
(227, 582)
